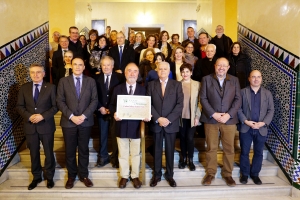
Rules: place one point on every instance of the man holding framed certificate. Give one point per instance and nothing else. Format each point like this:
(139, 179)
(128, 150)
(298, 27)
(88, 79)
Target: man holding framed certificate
(128, 127)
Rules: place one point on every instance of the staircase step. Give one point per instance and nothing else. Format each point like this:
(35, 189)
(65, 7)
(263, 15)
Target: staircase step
(272, 188)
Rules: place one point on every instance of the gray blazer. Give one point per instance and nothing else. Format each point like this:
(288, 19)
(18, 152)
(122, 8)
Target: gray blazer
(170, 106)
(46, 106)
(68, 103)
(212, 100)
(266, 110)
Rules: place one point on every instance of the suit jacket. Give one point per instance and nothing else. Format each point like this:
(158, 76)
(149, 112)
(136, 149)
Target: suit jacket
(212, 101)
(58, 67)
(195, 106)
(103, 97)
(266, 110)
(68, 103)
(227, 42)
(46, 106)
(170, 106)
(126, 128)
(127, 56)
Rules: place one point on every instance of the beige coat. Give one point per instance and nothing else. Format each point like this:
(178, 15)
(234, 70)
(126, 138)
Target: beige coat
(195, 102)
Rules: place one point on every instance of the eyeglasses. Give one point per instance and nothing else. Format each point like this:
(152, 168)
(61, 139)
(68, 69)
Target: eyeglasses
(74, 32)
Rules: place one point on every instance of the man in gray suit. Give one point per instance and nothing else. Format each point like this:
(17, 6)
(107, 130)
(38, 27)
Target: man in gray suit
(220, 96)
(77, 99)
(36, 104)
(255, 115)
(166, 108)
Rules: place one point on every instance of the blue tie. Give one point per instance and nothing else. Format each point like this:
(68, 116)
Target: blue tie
(106, 82)
(78, 87)
(36, 93)
(120, 53)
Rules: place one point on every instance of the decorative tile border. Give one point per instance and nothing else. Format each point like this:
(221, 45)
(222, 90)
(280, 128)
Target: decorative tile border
(275, 50)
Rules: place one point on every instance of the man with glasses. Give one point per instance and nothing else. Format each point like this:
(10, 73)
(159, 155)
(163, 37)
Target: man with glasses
(36, 104)
(74, 43)
(220, 97)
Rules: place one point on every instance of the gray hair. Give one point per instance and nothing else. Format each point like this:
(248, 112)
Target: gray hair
(211, 45)
(37, 65)
(108, 58)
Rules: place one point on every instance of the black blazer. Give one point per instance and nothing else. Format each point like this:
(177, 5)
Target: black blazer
(68, 103)
(46, 106)
(103, 97)
(127, 56)
(168, 58)
(170, 106)
(58, 66)
(137, 52)
(203, 67)
(126, 128)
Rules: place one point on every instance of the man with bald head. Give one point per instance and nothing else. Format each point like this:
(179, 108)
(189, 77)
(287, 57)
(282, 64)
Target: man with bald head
(166, 108)
(220, 96)
(121, 53)
(128, 131)
(222, 41)
(255, 116)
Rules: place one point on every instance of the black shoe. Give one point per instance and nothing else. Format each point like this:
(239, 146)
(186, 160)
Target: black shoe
(50, 183)
(256, 180)
(244, 179)
(102, 161)
(182, 163)
(191, 165)
(171, 181)
(34, 183)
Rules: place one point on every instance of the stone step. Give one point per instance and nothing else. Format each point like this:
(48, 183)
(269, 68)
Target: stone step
(22, 171)
(272, 188)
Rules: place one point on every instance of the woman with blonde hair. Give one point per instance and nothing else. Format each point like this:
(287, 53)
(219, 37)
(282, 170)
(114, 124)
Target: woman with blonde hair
(177, 59)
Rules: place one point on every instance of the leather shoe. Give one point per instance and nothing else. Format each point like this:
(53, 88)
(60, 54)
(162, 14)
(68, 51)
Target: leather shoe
(154, 180)
(70, 183)
(207, 180)
(191, 165)
(50, 183)
(34, 183)
(182, 163)
(122, 183)
(87, 182)
(229, 181)
(243, 179)
(171, 181)
(136, 183)
(102, 161)
(256, 180)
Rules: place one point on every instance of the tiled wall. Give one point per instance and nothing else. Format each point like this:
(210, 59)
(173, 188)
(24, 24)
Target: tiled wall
(280, 75)
(15, 58)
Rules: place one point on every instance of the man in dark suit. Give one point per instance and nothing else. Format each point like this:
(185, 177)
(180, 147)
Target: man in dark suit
(106, 82)
(255, 115)
(166, 108)
(128, 131)
(121, 53)
(36, 104)
(58, 65)
(77, 99)
(220, 97)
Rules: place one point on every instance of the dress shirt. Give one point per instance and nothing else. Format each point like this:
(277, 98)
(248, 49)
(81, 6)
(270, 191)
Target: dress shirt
(63, 53)
(166, 81)
(39, 87)
(133, 87)
(255, 105)
(109, 78)
(221, 81)
(75, 80)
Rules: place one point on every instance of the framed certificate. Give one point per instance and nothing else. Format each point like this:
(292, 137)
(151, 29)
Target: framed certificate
(133, 107)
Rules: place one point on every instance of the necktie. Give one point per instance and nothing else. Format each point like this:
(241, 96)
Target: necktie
(106, 82)
(78, 87)
(64, 51)
(163, 88)
(130, 90)
(36, 93)
(120, 53)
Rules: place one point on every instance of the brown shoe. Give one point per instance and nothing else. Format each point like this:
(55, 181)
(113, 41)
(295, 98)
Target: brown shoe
(207, 180)
(136, 183)
(154, 180)
(229, 181)
(122, 183)
(70, 183)
(87, 182)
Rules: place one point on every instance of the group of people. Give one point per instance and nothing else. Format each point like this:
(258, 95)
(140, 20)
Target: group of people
(190, 83)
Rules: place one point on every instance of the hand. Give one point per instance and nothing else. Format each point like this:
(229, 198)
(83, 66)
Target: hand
(116, 117)
(36, 118)
(119, 71)
(260, 124)
(146, 119)
(224, 118)
(217, 116)
(196, 122)
(77, 120)
(250, 123)
(163, 121)
(103, 110)
(82, 117)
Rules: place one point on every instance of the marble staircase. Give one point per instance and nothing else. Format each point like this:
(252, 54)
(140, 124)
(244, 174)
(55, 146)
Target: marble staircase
(105, 179)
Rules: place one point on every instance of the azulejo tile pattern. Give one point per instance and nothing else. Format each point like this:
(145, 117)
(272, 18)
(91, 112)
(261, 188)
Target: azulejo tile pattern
(15, 58)
(279, 69)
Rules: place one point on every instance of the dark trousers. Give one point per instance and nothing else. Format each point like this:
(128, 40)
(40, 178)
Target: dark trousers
(258, 147)
(103, 129)
(169, 152)
(114, 144)
(187, 138)
(33, 143)
(77, 136)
